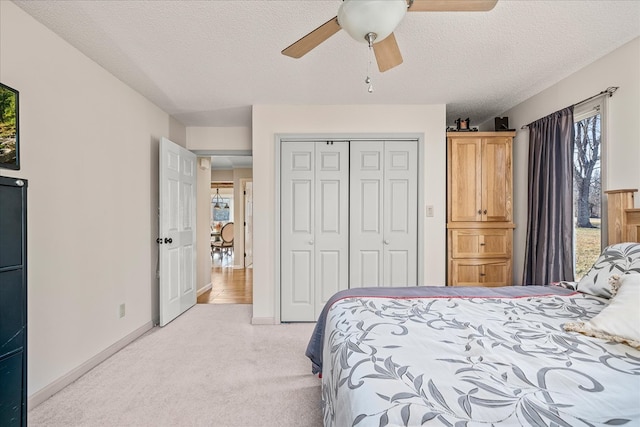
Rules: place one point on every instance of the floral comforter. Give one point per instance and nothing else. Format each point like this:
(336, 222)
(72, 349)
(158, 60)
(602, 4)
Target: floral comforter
(455, 360)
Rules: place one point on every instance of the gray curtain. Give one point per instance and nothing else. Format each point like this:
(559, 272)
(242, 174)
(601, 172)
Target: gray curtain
(549, 250)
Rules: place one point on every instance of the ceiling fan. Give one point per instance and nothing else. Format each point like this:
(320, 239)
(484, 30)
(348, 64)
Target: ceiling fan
(373, 22)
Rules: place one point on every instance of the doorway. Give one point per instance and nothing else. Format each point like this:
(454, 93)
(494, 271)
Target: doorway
(231, 280)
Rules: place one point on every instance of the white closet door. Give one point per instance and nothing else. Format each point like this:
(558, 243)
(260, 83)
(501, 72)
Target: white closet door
(366, 179)
(315, 226)
(400, 213)
(332, 221)
(297, 231)
(383, 222)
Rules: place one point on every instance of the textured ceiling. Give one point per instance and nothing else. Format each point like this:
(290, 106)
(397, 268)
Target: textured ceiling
(207, 62)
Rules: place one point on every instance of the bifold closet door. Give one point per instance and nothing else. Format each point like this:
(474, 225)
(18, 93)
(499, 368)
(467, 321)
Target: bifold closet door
(383, 213)
(314, 226)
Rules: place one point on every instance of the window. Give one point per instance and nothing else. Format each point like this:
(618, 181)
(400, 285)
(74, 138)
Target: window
(587, 183)
(223, 214)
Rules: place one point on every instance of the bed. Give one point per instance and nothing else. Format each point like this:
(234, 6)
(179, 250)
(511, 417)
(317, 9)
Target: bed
(560, 355)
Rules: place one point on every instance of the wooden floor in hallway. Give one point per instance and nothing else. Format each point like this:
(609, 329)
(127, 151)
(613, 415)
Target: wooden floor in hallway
(228, 285)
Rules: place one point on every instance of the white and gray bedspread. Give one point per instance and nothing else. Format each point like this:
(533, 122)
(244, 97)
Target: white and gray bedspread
(470, 357)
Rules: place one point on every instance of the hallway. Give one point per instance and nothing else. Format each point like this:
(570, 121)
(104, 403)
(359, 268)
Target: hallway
(228, 285)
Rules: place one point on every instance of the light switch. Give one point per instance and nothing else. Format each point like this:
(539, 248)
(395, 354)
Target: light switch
(429, 210)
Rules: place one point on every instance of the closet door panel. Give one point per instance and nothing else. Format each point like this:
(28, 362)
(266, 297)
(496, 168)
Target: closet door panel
(329, 271)
(332, 221)
(400, 213)
(369, 207)
(370, 268)
(397, 206)
(301, 207)
(397, 267)
(366, 181)
(297, 232)
(302, 283)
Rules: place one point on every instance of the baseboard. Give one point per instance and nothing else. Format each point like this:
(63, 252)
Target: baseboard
(49, 390)
(205, 288)
(263, 321)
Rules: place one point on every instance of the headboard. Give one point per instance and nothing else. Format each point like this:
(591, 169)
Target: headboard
(623, 218)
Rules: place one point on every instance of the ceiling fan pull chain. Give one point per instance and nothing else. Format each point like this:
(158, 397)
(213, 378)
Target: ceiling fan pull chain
(370, 37)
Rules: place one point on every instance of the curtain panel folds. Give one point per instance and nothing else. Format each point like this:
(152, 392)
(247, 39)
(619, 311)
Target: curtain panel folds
(549, 249)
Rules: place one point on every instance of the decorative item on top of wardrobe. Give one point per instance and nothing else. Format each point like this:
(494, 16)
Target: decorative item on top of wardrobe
(502, 124)
(462, 125)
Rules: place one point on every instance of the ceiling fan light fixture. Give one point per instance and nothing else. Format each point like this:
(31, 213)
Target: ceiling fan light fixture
(361, 17)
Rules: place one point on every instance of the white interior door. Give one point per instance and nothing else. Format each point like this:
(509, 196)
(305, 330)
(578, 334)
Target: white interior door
(384, 223)
(177, 234)
(314, 226)
(248, 224)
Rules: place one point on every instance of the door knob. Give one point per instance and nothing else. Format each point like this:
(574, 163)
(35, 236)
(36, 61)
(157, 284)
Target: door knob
(168, 240)
(386, 242)
(311, 242)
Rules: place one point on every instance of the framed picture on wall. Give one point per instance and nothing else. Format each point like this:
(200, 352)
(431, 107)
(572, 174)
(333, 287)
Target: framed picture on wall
(9, 132)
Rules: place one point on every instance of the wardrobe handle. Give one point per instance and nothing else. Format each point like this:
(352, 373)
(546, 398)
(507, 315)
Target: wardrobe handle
(386, 242)
(485, 212)
(311, 242)
(479, 211)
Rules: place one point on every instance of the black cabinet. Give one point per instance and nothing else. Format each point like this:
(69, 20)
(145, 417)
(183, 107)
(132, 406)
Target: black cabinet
(13, 302)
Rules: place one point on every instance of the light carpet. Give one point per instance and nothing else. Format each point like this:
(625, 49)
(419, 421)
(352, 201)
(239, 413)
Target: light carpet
(209, 367)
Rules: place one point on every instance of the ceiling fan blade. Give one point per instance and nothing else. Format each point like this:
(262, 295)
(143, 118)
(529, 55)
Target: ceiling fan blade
(313, 39)
(451, 5)
(387, 53)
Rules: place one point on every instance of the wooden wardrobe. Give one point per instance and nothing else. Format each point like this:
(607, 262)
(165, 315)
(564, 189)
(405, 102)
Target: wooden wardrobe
(479, 208)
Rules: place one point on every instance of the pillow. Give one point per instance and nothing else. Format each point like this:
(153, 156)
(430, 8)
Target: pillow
(621, 259)
(620, 320)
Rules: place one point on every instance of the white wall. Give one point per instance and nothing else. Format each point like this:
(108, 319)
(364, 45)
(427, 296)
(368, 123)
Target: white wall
(269, 120)
(89, 148)
(619, 68)
(221, 175)
(218, 138)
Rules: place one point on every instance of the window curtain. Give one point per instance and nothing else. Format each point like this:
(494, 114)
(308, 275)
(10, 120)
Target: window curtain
(549, 250)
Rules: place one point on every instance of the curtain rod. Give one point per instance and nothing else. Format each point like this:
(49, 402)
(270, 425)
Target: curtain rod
(608, 91)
